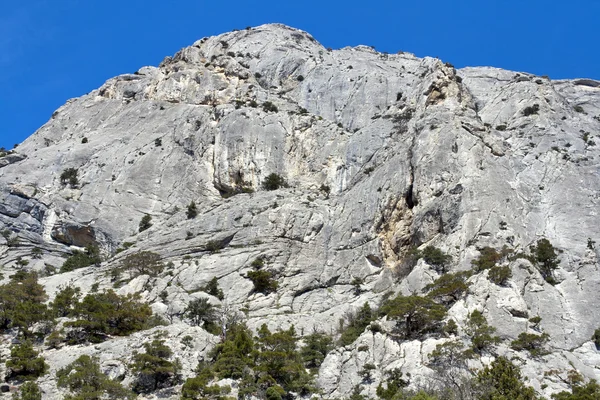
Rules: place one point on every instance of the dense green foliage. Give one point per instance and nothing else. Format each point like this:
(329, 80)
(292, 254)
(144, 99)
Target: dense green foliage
(531, 342)
(263, 281)
(316, 346)
(500, 275)
(22, 302)
(356, 323)
(86, 381)
(201, 312)
(415, 315)
(502, 381)
(488, 257)
(107, 313)
(436, 258)
(278, 360)
(268, 366)
(65, 301)
(273, 182)
(69, 176)
(269, 107)
(544, 257)
(199, 387)
(141, 263)
(235, 354)
(589, 391)
(212, 288)
(91, 256)
(28, 391)
(145, 223)
(25, 363)
(394, 384)
(481, 334)
(192, 211)
(596, 338)
(449, 288)
(154, 369)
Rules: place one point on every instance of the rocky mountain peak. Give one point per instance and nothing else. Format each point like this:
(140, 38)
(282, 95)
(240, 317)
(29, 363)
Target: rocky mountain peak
(347, 177)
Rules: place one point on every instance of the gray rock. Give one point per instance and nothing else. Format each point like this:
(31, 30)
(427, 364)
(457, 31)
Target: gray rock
(380, 153)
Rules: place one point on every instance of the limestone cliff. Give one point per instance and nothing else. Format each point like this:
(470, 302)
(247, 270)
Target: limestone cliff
(381, 153)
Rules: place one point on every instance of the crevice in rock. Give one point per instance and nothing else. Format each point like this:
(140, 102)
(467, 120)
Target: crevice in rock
(411, 202)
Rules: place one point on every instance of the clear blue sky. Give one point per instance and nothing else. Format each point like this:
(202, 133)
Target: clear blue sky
(52, 50)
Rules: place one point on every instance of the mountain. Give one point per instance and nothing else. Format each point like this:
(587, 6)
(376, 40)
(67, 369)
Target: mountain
(339, 178)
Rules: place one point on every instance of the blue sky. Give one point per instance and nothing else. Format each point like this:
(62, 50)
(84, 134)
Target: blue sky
(51, 51)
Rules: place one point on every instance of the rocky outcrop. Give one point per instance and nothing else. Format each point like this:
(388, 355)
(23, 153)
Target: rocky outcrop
(380, 153)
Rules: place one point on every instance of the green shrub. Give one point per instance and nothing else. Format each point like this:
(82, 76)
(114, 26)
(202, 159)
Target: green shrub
(198, 388)
(36, 253)
(544, 256)
(449, 288)
(579, 391)
(280, 361)
(154, 369)
(271, 360)
(107, 313)
(488, 257)
(85, 380)
(394, 383)
(236, 354)
(145, 223)
(11, 241)
(502, 380)
(201, 312)
(432, 256)
(269, 107)
(534, 344)
(65, 301)
(596, 338)
(25, 363)
(415, 315)
(28, 391)
(91, 256)
(55, 340)
(274, 392)
(451, 328)
(142, 263)
(316, 346)
(124, 246)
(356, 324)
(212, 288)
(22, 302)
(531, 110)
(436, 257)
(263, 281)
(157, 142)
(214, 246)
(480, 333)
(273, 182)
(69, 176)
(192, 211)
(578, 109)
(367, 373)
(325, 189)
(500, 275)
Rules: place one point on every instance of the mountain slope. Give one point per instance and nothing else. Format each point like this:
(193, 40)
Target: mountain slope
(380, 152)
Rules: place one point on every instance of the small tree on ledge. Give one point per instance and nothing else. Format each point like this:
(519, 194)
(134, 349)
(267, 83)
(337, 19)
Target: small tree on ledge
(145, 223)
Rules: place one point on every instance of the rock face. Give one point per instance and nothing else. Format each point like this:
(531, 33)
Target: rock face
(380, 152)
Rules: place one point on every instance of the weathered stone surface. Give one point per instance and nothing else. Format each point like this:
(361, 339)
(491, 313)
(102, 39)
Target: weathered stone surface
(381, 152)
